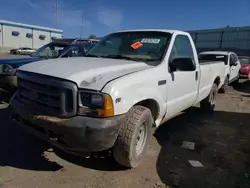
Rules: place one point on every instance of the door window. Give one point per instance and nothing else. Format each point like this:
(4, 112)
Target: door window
(233, 59)
(182, 49)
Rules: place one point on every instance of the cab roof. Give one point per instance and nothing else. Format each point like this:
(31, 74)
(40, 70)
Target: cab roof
(156, 30)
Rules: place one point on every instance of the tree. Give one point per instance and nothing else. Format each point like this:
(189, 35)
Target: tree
(92, 36)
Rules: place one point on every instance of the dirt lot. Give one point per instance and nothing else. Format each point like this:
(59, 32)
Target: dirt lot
(222, 146)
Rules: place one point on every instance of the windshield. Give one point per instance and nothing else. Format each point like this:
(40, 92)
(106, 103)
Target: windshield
(51, 50)
(213, 57)
(137, 45)
(244, 60)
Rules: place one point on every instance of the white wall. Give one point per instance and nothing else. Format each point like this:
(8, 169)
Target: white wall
(16, 41)
(10, 41)
(57, 35)
(37, 41)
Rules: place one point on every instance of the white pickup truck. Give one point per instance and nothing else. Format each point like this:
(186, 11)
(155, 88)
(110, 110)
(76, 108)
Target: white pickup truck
(232, 65)
(110, 99)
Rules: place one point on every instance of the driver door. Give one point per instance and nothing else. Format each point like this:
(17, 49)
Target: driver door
(182, 87)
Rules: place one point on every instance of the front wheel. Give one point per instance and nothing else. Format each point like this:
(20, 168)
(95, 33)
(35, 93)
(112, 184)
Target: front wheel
(208, 104)
(134, 136)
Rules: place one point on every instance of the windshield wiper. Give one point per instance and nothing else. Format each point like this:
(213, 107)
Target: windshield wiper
(117, 56)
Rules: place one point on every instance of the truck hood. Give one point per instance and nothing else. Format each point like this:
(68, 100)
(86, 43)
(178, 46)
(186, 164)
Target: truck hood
(17, 61)
(86, 72)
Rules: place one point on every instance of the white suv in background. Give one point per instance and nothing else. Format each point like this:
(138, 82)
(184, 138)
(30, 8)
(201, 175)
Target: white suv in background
(232, 65)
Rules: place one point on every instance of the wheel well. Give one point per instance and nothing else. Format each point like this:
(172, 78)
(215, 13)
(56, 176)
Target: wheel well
(152, 105)
(217, 81)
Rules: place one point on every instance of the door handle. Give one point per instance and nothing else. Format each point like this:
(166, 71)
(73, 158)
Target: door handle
(196, 75)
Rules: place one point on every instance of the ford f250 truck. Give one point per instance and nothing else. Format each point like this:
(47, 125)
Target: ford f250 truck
(127, 83)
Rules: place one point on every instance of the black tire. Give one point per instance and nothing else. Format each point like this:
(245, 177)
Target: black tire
(224, 86)
(208, 104)
(124, 150)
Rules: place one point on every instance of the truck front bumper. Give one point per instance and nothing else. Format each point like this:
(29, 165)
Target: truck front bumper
(74, 135)
(8, 83)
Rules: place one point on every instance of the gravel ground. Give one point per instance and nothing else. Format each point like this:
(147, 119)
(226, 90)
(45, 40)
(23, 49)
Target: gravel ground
(222, 146)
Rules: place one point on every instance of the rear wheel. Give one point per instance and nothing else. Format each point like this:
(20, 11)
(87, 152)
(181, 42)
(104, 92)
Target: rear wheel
(208, 104)
(133, 139)
(224, 86)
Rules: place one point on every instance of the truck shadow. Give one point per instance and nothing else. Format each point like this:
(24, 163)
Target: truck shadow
(102, 161)
(20, 150)
(222, 145)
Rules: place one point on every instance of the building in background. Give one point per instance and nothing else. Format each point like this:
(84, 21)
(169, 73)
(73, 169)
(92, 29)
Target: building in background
(235, 39)
(15, 35)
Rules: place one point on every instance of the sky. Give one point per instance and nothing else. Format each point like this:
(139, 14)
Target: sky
(99, 17)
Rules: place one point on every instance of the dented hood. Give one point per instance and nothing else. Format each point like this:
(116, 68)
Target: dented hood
(86, 72)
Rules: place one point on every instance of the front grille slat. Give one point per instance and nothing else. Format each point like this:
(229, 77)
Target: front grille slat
(27, 85)
(49, 103)
(47, 94)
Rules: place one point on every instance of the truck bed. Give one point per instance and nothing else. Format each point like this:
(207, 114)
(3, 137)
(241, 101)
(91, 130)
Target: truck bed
(208, 70)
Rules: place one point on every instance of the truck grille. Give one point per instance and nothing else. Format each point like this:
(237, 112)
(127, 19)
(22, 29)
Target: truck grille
(48, 95)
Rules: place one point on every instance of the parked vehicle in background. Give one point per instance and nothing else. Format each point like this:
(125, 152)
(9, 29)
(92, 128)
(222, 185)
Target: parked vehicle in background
(245, 66)
(13, 51)
(25, 51)
(58, 48)
(22, 51)
(232, 65)
(100, 101)
(62, 48)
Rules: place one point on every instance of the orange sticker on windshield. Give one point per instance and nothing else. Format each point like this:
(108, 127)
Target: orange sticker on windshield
(136, 45)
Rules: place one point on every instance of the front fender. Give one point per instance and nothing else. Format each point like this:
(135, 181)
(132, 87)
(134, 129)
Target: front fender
(126, 98)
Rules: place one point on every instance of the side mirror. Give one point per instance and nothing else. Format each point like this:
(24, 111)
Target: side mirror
(182, 64)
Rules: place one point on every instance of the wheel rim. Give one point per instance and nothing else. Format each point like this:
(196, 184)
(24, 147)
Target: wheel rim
(141, 138)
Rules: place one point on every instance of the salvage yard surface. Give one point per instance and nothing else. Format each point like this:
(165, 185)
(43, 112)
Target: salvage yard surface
(222, 146)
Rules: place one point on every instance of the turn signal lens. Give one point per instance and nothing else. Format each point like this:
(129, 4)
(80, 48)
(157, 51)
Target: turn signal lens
(95, 104)
(108, 109)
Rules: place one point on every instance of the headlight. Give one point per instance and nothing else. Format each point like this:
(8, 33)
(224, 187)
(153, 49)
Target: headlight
(8, 69)
(95, 104)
